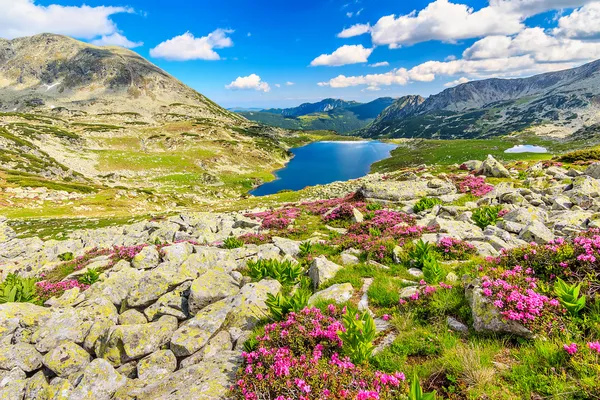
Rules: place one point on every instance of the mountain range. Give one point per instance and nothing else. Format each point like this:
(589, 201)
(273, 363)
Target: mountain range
(328, 114)
(555, 103)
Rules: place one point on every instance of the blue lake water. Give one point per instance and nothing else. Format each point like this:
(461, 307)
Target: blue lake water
(526, 148)
(325, 162)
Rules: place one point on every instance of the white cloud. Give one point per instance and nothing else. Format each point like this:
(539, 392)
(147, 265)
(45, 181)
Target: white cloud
(277, 85)
(354, 30)
(380, 64)
(527, 52)
(250, 82)
(349, 14)
(583, 23)
(116, 39)
(187, 47)
(536, 43)
(343, 56)
(24, 18)
(449, 22)
(288, 83)
(457, 82)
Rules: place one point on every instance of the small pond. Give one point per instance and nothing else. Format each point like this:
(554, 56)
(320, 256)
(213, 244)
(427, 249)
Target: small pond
(526, 148)
(325, 162)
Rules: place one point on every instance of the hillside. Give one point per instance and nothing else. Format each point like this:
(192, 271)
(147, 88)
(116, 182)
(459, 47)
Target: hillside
(558, 103)
(329, 114)
(97, 130)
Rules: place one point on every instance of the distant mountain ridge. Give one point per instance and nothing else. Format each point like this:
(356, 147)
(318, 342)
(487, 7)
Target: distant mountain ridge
(328, 114)
(562, 102)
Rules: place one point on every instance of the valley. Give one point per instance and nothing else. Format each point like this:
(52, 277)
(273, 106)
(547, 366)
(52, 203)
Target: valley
(155, 245)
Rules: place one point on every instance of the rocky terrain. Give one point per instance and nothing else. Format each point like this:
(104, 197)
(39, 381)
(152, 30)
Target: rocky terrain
(559, 103)
(174, 301)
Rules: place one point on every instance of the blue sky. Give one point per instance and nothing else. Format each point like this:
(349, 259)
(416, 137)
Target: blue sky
(248, 53)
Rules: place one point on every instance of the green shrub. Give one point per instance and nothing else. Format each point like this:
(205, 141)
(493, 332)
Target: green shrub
(426, 203)
(15, 289)
(374, 206)
(421, 252)
(232, 243)
(359, 336)
(89, 277)
(416, 393)
(569, 297)
(432, 271)
(286, 272)
(66, 256)
(280, 305)
(305, 249)
(486, 215)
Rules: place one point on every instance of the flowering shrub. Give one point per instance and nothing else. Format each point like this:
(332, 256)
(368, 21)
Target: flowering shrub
(299, 358)
(126, 252)
(378, 236)
(255, 238)
(277, 219)
(455, 249)
(472, 184)
(513, 292)
(46, 289)
(570, 348)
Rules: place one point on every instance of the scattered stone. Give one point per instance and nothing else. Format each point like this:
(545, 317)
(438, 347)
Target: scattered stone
(417, 273)
(456, 325)
(99, 382)
(339, 293)
(321, 270)
(66, 359)
(20, 355)
(148, 258)
(132, 317)
(493, 168)
(210, 287)
(157, 365)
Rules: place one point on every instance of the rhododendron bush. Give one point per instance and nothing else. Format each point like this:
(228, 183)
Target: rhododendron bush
(577, 259)
(379, 235)
(515, 293)
(472, 184)
(301, 358)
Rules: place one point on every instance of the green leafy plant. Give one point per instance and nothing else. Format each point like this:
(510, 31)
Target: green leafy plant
(286, 272)
(89, 277)
(416, 393)
(426, 203)
(359, 336)
(232, 243)
(569, 297)
(68, 256)
(432, 271)
(486, 215)
(421, 252)
(250, 345)
(305, 248)
(374, 206)
(15, 289)
(280, 305)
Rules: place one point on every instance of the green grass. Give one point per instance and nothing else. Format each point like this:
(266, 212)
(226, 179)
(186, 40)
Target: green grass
(410, 153)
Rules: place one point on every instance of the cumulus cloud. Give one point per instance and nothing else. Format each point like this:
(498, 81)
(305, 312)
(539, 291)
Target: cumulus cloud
(345, 55)
(116, 39)
(187, 47)
(445, 21)
(24, 18)
(583, 23)
(380, 64)
(288, 83)
(525, 52)
(250, 82)
(354, 30)
(457, 82)
(535, 43)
